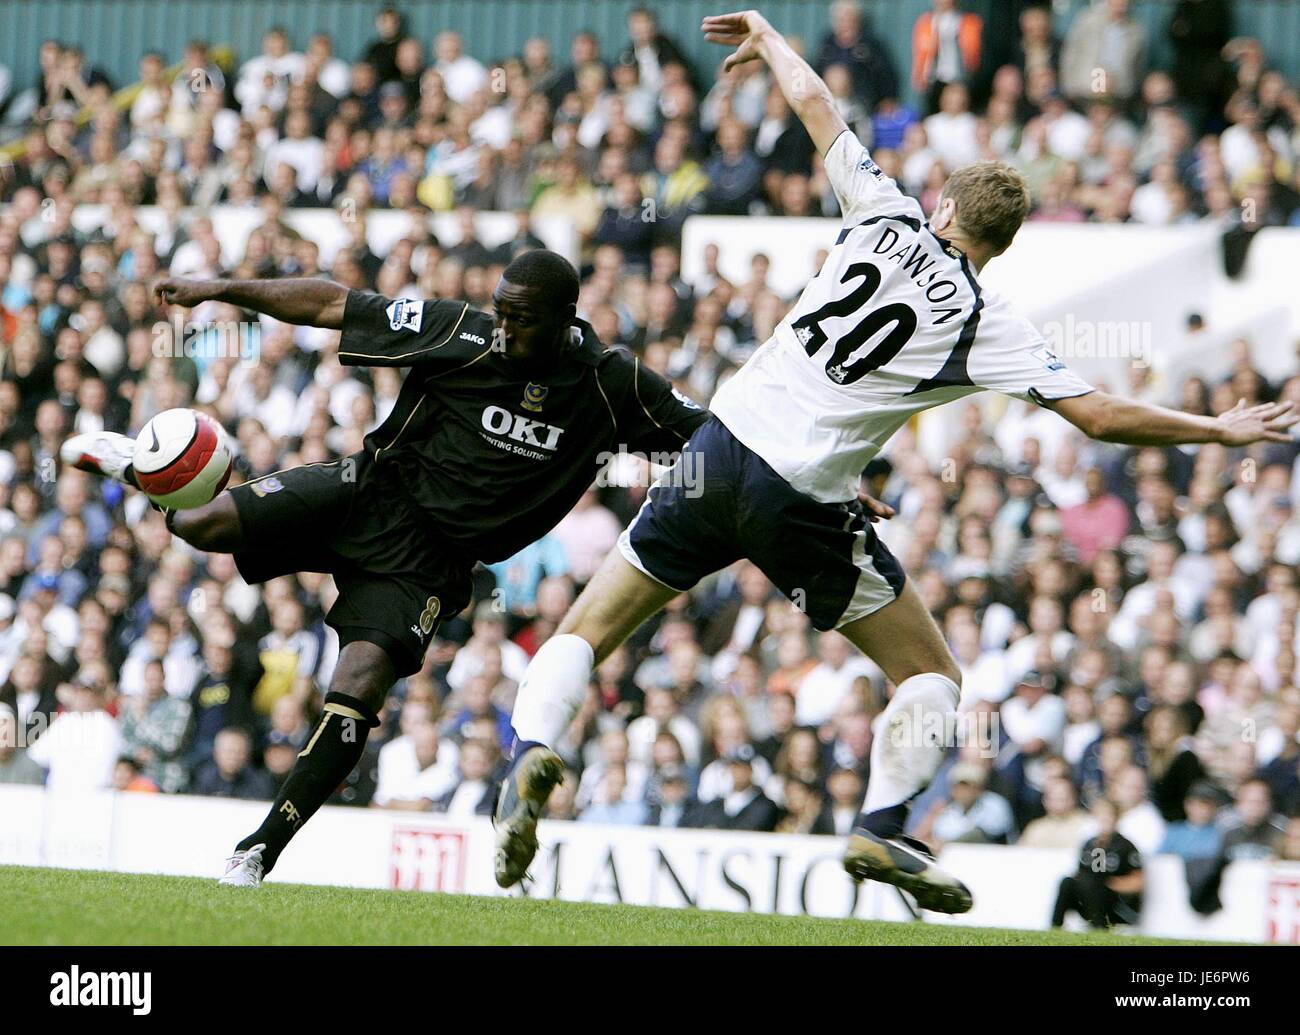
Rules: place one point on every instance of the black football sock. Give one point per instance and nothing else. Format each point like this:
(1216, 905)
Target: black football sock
(332, 753)
(885, 822)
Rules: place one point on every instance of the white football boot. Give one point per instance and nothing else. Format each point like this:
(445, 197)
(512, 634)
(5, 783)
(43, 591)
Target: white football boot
(906, 863)
(104, 453)
(522, 800)
(244, 869)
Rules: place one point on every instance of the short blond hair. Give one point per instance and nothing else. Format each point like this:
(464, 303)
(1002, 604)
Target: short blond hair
(992, 201)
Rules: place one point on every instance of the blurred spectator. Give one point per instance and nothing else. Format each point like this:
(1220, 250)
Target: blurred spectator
(945, 50)
(1099, 522)
(1033, 722)
(475, 790)
(662, 715)
(128, 775)
(1171, 761)
(1039, 49)
(1198, 836)
(972, 814)
(586, 535)
(852, 43)
(15, 766)
(650, 50)
(222, 696)
(1253, 830)
(839, 815)
(381, 53)
(614, 807)
(417, 767)
(745, 806)
(1104, 53)
(952, 130)
(1199, 31)
(1139, 819)
(1064, 824)
(154, 725)
(518, 577)
(462, 75)
(806, 810)
(229, 773)
(476, 705)
(831, 680)
(80, 749)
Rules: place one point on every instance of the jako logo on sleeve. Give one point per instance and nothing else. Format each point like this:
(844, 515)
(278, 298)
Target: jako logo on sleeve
(405, 314)
(93, 988)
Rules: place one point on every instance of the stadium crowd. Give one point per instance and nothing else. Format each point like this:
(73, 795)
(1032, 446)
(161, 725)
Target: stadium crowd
(1126, 619)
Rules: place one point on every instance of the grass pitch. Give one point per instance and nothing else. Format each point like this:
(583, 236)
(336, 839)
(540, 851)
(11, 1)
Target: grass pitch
(79, 907)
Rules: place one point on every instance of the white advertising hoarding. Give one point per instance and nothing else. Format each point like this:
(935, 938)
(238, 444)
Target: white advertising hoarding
(721, 870)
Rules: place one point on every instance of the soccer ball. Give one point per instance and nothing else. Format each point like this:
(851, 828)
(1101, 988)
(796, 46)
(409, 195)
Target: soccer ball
(182, 459)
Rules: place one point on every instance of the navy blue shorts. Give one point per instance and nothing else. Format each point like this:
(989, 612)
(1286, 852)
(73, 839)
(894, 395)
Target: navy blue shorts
(721, 502)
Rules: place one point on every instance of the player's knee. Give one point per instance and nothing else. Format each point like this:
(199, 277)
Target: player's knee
(365, 672)
(367, 682)
(213, 526)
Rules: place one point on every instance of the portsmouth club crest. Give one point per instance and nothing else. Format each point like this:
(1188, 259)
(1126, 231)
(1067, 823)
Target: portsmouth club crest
(265, 486)
(534, 396)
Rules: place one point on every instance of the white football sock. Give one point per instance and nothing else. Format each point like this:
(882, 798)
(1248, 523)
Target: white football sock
(911, 739)
(553, 689)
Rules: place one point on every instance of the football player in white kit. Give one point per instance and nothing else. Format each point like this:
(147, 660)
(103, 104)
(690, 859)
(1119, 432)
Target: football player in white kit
(894, 323)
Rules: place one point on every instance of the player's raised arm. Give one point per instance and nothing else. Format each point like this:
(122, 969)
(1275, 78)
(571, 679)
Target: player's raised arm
(1112, 418)
(808, 97)
(298, 300)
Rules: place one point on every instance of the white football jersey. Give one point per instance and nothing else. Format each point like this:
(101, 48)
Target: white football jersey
(894, 323)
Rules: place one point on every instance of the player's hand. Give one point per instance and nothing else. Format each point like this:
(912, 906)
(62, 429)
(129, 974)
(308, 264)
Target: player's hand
(1267, 422)
(740, 30)
(186, 293)
(876, 509)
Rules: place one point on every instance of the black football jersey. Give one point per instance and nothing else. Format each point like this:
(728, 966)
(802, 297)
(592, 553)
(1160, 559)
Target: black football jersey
(492, 457)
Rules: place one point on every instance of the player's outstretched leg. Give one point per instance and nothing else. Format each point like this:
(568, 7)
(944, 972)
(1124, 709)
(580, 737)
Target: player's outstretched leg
(615, 602)
(362, 679)
(913, 737)
(213, 526)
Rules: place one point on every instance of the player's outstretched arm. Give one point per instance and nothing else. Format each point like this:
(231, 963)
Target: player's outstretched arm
(753, 37)
(300, 300)
(1112, 418)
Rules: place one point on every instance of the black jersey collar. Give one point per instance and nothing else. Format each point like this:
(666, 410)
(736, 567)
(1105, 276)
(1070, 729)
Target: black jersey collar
(586, 347)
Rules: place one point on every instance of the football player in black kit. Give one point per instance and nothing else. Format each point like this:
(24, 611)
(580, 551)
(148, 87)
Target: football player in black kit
(495, 435)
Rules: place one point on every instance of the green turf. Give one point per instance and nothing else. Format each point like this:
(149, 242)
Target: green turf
(77, 907)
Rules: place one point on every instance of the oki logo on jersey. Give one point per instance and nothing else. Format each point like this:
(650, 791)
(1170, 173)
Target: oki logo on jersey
(405, 314)
(501, 421)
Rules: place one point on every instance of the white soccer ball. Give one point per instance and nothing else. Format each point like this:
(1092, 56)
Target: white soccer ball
(182, 459)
